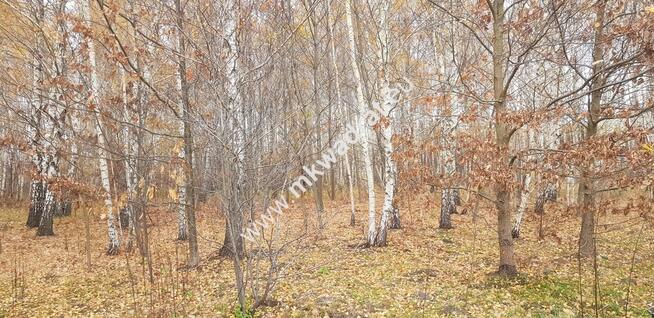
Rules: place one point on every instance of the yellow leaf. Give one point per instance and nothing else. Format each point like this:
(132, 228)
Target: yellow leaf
(172, 194)
(151, 191)
(177, 149)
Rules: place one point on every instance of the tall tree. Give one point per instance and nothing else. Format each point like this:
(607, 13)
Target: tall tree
(103, 155)
(186, 193)
(363, 129)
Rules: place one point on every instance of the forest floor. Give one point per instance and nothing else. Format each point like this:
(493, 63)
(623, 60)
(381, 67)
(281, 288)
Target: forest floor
(423, 272)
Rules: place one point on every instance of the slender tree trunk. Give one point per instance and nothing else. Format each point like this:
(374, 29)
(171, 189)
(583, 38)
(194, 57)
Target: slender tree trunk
(3, 176)
(448, 195)
(363, 129)
(130, 152)
(522, 206)
(396, 222)
(50, 115)
(389, 103)
(114, 243)
(38, 187)
(344, 112)
(389, 187)
(502, 138)
(447, 209)
(318, 186)
(445, 161)
(586, 195)
(181, 177)
(233, 242)
(186, 131)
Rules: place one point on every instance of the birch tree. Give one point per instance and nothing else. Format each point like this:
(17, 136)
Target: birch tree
(186, 188)
(389, 103)
(363, 130)
(522, 206)
(340, 107)
(233, 242)
(94, 98)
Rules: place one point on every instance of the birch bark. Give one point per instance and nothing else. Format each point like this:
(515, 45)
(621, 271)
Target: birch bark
(342, 109)
(522, 206)
(185, 109)
(363, 128)
(114, 243)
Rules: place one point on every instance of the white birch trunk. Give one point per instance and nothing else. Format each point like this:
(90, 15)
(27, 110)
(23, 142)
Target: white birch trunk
(37, 186)
(130, 156)
(340, 107)
(522, 206)
(129, 146)
(50, 162)
(3, 178)
(390, 102)
(233, 243)
(180, 179)
(114, 243)
(363, 129)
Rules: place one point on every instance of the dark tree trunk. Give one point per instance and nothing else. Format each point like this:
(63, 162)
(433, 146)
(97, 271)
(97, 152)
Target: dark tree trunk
(123, 217)
(587, 233)
(228, 246)
(395, 219)
(507, 259)
(456, 195)
(66, 208)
